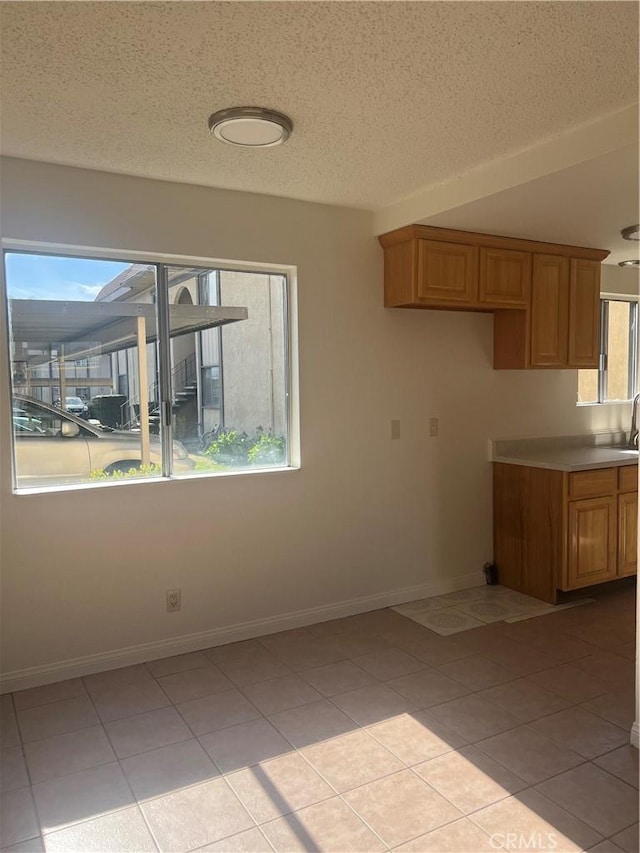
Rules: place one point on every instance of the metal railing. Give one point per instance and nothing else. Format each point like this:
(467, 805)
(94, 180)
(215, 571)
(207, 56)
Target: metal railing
(183, 375)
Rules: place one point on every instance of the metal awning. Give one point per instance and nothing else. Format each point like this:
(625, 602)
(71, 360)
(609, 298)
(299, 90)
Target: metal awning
(86, 329)
(97, 328)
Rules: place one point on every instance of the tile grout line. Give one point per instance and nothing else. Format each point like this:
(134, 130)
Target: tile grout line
(220, 776)
(299, 752)
(126, 779)
(610, 772)
(567, 809)
(39, 835)
(196, 738)
(410, 768)
(330, 698)
(360, 727)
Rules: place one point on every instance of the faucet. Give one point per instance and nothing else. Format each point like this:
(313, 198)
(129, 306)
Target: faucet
(633, 435)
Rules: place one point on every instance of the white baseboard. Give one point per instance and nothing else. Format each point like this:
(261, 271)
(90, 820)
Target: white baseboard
(48, 673)
(635, 735)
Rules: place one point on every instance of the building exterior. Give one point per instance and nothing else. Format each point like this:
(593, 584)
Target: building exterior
(226, 378)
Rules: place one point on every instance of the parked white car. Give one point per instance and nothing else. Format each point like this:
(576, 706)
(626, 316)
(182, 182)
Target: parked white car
(53, 447)
(76, 406)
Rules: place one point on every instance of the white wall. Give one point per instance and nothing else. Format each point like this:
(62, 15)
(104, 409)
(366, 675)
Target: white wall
(364, 515)
(621, 280)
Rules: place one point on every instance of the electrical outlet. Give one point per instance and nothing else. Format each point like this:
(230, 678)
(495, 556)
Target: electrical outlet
(433, 427)
(174, 600)
(395, 430)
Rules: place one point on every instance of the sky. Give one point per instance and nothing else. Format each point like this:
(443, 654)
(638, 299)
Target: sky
(53, 277)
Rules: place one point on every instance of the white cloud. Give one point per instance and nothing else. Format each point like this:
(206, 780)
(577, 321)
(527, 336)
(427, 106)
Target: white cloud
(91, 289)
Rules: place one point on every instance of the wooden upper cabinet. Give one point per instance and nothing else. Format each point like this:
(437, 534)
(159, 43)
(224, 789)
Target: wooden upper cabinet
(584, 313)
(447, 272)
(505, 277)
(549, 311)
(544, 296)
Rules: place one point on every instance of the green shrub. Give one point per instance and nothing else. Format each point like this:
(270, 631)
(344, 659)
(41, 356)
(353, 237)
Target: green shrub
(150, 470)
(203, 464)
(269, 449)
(230, 448)
(235, 448)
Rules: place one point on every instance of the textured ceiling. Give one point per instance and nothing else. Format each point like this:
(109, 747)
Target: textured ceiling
(386, 98)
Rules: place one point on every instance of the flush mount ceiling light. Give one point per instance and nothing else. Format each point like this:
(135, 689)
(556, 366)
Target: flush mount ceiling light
(634, 263)
(251, 127)
(632, 232)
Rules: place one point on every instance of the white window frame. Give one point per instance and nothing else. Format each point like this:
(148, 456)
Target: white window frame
(162, 262)
(634, 340)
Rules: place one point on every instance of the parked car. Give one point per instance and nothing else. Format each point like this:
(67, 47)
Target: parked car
(53, 447)
(76, 406)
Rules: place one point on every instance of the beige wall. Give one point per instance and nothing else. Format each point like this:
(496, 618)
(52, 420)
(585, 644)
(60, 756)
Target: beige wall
(617, 279)
(363, 515)
(252, 354)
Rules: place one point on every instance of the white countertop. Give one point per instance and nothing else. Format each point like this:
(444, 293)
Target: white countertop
(567, 453)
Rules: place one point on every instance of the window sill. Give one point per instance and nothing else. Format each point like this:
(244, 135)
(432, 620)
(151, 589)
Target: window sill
(606, 403)
(150, 481)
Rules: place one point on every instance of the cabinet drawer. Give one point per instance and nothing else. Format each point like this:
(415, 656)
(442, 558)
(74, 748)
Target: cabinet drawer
(592, 484)
(628, 478)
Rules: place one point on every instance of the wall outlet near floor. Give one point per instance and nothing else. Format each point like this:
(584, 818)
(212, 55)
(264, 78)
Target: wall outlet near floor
(434, 426)
(395, 430)
(174, 600)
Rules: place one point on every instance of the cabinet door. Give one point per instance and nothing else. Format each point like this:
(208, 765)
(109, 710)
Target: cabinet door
(627, 534)
(447, 272)
(592, 542)
(549, 311)
(505, 277)
(584, 313)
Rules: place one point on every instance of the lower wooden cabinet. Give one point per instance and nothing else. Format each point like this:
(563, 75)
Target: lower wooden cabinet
(558, 531)
(592, 542)
(627, 534)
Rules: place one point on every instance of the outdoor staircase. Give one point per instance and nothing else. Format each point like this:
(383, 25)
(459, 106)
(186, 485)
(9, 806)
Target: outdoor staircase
(184, 383)
(185, 396)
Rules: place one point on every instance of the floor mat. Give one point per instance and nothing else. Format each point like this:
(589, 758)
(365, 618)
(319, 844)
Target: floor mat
(480, 605)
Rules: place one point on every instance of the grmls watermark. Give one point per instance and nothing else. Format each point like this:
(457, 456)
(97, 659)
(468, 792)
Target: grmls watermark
(523, 841)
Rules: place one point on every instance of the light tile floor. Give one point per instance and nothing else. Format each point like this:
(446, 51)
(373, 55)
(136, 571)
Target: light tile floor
(361, 734)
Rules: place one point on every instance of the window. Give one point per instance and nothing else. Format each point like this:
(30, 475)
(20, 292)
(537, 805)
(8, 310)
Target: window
(616, 380)
(211, 388)
(182, 370)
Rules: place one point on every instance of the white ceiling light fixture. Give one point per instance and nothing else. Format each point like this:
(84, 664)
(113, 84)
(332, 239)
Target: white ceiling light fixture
(634, 263)
(632, 232)
(251, 127)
